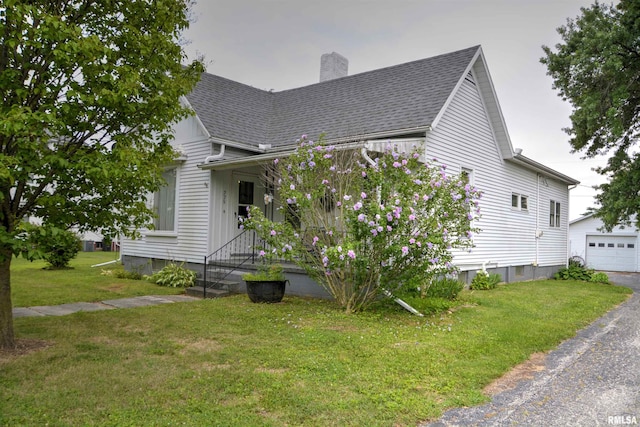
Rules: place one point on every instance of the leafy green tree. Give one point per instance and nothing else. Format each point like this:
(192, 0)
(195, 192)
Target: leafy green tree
(89, 92)
(597, 69)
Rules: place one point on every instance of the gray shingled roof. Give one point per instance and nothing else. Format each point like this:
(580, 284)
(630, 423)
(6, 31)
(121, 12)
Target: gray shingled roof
(400, 97)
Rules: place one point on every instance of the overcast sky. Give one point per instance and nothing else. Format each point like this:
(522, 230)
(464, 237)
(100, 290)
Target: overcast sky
(277, 44)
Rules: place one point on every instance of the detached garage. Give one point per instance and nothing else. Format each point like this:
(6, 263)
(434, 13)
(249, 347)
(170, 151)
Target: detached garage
(615, 251)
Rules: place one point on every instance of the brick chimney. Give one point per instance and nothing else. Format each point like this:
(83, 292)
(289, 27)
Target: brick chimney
(333, 66)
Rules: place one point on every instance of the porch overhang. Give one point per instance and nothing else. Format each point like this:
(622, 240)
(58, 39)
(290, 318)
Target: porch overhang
(347, 143)
(244, 161)
(259, 159)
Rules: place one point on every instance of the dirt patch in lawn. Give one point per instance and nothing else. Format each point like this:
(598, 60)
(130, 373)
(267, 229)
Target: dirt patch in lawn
(23, 347)
(523, 372)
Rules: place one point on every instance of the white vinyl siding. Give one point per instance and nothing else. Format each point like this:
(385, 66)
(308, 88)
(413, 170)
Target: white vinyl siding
(464, 138)
(189, 241)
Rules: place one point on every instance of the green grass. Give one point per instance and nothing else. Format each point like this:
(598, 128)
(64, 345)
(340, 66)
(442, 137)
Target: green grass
(229, 362)
(33, 285)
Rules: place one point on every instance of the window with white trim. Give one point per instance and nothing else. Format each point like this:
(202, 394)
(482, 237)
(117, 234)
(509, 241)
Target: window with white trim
(519, 202)
(164, 202)
(554, 214)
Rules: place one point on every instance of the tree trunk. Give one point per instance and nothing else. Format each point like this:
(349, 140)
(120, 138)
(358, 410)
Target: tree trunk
(7, 339)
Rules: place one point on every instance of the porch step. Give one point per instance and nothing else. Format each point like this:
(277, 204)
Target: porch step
(198, 291)
(219, 284)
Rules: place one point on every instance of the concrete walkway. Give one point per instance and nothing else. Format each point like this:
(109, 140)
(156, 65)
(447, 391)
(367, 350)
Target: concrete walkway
(590, 380)
(64, 309)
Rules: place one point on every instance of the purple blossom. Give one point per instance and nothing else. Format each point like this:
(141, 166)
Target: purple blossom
(405, 250)
(308, 196)
(328, 156)
(325, 182)
(396, 164)
(332, 168)
(315, 240)
(374, 232)
(276, 161)
(273, 232)
(412, 240)
(351, 254)
(325, 261)
(361, 217)
(389, 228)
(412, 217)
(357, 206)
(292, 187)
(364, 174)
(363, 195)
(312, 164)
(338, 203)
(347, 197)
(261, 254)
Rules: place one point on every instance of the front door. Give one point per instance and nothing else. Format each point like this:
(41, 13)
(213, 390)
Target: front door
(250, 191)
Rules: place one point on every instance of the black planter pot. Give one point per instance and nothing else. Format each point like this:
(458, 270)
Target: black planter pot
(266, 291)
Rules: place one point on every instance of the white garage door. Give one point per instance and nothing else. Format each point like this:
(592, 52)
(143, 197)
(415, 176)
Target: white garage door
(611, 253)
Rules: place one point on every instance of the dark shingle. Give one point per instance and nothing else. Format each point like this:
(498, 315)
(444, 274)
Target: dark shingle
(394, 98)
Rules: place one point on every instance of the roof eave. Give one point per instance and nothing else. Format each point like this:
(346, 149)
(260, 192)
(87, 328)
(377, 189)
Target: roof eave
(540, 168)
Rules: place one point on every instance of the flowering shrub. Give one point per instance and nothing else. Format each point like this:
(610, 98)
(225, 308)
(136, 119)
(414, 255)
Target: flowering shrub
(359, 225)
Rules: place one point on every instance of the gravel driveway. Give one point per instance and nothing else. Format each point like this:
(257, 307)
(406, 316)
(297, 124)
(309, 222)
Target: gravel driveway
(590, 380)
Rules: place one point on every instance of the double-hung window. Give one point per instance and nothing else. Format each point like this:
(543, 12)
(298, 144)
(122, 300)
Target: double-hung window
(164, 202)
(554, 214)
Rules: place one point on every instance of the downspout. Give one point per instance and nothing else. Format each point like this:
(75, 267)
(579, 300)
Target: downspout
(537, 218)
(571, 187)
(402, 303)
(218, 156)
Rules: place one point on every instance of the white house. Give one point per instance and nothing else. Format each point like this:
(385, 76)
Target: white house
(446, 103)
(601, 250)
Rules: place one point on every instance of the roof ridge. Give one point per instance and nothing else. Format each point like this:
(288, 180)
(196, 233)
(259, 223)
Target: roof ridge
(401, 96)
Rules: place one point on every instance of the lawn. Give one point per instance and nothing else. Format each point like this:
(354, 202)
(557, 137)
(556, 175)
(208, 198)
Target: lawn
(32, 284)
(230, 362)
